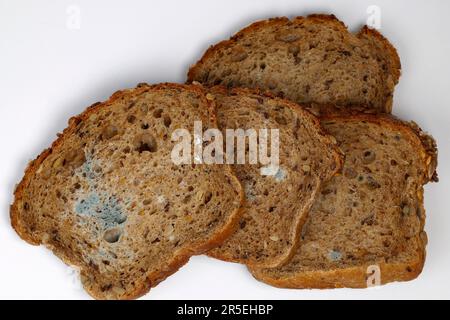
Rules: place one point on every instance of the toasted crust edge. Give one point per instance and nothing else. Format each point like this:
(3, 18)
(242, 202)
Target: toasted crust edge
(328, 143)
(356, 277)
(182, 256)
(394, 64)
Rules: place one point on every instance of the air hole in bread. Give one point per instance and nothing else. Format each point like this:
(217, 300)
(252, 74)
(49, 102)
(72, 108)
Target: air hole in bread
(131, 119)
(157, 113)
(187, 198)
(156, 240)
(127, 149)
(146, 142)
(372, 183)
(208, 197)
(167, 121)
(368, 157)
(281, 120)
(112, 235)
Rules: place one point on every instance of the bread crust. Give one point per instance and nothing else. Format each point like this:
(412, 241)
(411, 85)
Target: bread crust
(394, 65)
(356, 277)
(301, 218)
(182, 256)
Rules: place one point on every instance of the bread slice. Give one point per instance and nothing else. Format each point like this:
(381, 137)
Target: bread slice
(276, 205)
(107, 198)
(306, 59)
(372, 216)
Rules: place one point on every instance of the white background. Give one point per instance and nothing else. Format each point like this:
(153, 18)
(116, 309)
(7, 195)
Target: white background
(50, 70)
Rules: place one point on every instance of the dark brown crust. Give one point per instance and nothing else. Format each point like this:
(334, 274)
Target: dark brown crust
(329, 144)
(394, 64)
(181, 257)
(425, 141)
(356, 277)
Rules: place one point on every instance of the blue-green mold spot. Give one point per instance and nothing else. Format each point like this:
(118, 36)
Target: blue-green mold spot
(106, 209)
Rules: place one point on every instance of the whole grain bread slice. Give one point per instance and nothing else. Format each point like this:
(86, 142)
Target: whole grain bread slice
(276, 205)
(369, 219)
(108, 199)
(306, 59)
